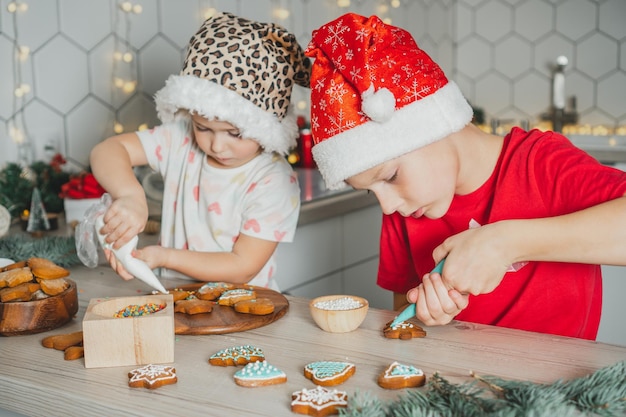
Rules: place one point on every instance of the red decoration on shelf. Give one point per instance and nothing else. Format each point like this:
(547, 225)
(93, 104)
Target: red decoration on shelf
(82, 186)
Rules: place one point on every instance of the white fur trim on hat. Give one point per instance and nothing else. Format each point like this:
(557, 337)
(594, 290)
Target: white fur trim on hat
(212, 100)
(413, 126)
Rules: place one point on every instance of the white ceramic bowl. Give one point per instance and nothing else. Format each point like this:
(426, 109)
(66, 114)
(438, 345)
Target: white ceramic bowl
(338, 313)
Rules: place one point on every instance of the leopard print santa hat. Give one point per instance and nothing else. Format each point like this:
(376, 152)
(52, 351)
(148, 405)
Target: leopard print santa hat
(242, 72)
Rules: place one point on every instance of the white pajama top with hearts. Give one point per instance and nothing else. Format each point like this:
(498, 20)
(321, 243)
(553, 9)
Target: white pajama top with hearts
(206, 208)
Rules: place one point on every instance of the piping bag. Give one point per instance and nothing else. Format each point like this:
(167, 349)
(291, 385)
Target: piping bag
(88, 238)
(409, 311)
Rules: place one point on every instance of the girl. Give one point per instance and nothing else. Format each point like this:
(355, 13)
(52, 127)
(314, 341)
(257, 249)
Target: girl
(229, 195)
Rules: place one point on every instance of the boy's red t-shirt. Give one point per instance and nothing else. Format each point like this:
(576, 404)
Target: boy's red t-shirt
(539, 174)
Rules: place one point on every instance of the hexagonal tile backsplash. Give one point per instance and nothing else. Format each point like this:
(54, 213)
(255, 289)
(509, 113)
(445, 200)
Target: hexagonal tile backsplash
(500, 52)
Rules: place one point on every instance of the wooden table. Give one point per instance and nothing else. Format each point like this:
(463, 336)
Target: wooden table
(37, 381)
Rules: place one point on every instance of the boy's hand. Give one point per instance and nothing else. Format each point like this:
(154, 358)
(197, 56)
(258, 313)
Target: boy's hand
(435, 303)
(476, 259)
(125, 219)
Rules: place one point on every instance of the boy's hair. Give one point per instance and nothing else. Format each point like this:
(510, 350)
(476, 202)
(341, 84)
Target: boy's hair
(241, 72)
(375, 96)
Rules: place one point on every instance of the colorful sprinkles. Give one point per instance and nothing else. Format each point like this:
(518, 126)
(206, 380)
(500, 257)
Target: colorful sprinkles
(135, 310)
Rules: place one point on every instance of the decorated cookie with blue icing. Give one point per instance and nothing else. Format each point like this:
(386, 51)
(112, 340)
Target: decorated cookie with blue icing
(328, 373)
(237, 355)
(259, 374)
(398, 376)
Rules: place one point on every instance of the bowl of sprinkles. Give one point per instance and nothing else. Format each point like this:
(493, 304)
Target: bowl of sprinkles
(137, 310)
(338, 313)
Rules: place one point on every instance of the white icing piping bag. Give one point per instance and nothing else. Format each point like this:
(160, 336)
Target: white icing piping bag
(134, 266)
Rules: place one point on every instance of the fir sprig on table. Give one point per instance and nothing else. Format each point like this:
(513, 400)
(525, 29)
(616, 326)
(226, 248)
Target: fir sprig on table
(602, 393)
(59, 249)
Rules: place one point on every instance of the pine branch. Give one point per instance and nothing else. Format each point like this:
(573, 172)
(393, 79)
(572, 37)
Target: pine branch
(59, 249)
(602, 393)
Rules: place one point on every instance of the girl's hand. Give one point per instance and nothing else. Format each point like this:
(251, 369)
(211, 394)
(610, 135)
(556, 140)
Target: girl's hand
(125, 219)
(151, 255)
(435, 303)
(476, 259)
(116, 265)
(154, 256)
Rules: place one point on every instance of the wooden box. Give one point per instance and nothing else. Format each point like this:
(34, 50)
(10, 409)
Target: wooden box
(139, 340)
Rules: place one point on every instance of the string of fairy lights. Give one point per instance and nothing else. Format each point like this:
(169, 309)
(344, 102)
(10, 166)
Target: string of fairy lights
(21, 54)
(124, 70)
(124, 81)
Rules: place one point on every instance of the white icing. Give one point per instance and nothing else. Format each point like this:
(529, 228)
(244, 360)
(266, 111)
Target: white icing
(152, 373)
(398, 370)
(344, 303)
(320, 398)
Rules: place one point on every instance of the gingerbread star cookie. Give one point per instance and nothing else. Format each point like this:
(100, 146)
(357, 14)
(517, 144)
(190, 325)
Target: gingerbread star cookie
(318, 402)
(152, 376)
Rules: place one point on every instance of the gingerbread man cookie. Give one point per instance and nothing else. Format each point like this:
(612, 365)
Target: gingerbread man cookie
(258, 306)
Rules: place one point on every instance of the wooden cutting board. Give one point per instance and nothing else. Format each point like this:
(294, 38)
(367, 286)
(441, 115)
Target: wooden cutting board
(224, 319)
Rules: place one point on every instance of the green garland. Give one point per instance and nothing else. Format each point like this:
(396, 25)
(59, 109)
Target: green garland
(602, 393)
(59, 249)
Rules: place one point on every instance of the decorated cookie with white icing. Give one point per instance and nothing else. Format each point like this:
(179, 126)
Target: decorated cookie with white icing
(328, 373)
(404, 331)
(318, 402)
(152, 376)
(231, 297)
(259, 374)
(237, 355)
(213, 290)
(398, 376)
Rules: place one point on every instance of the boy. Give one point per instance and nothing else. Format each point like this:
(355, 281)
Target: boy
(523, 221)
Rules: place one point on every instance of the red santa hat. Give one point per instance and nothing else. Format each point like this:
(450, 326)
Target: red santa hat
(375, 95)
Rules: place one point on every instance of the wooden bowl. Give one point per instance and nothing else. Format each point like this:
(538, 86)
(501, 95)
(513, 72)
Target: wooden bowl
(29, 317)
(338, 313)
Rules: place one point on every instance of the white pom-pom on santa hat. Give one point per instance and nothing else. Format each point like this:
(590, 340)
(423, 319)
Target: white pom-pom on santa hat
(378, 105)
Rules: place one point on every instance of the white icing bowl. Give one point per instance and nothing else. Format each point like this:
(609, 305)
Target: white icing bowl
(339, 313)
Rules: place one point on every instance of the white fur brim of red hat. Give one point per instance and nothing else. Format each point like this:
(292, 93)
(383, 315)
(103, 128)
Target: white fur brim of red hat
(211, 100)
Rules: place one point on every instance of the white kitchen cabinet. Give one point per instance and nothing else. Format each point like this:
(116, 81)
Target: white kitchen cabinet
(334, 256)
(612, 325)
